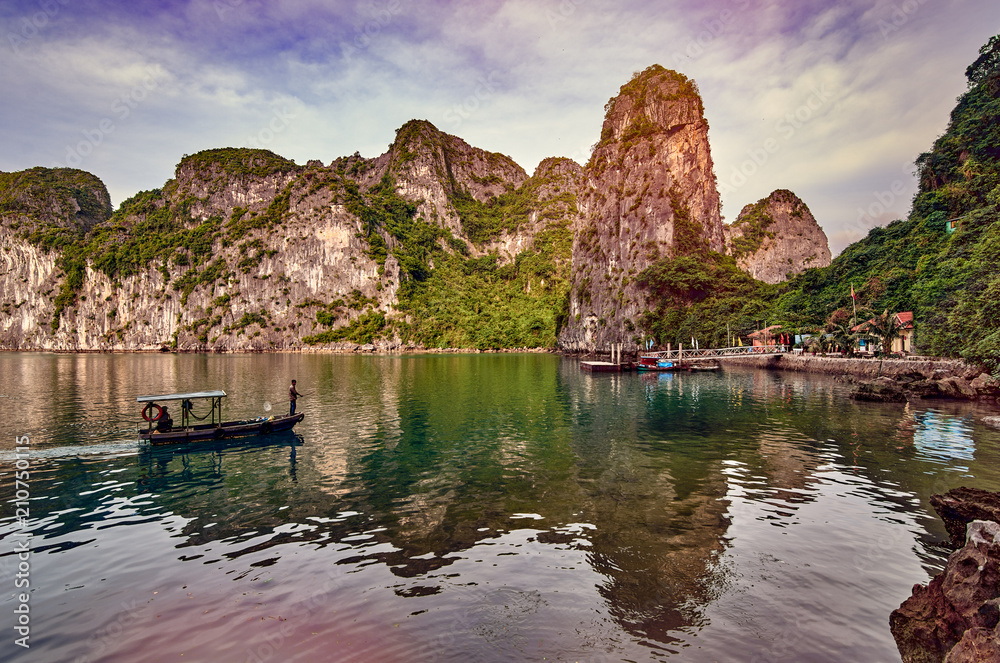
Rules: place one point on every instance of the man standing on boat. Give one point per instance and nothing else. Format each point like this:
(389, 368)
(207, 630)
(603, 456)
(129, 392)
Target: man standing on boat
(292, 395)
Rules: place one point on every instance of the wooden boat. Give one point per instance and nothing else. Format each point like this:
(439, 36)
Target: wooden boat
(156, 432)
(656, 363)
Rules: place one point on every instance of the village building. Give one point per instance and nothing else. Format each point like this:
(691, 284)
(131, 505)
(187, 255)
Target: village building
(902, 344)
(768, 337)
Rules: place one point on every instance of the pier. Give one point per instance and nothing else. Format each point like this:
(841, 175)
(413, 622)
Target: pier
(684, 359)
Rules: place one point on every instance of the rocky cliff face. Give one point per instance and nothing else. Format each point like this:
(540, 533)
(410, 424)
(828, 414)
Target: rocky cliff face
(435, 243)
(648, 192)
(197, 265)
(436, 168)
(777, 237)
(245, 250)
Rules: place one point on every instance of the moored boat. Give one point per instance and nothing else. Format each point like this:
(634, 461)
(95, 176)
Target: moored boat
(160, 428)
(656, 363)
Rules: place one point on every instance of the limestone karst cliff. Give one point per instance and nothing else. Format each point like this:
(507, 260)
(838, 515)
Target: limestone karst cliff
(434, 243)
(649, 191)
(777, 237)
(245, 250)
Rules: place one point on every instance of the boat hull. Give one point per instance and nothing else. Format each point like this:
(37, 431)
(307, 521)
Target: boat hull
(229, 429)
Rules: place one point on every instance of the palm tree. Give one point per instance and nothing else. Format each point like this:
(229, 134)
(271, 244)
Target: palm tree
(840, 330)
(884, 328)
(820, 342)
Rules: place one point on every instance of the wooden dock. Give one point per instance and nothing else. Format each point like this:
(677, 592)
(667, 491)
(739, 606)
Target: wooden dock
(600, 367)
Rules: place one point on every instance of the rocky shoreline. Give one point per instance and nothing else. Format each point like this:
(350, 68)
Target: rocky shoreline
(890, 380)
(337, 349)
(955, 617)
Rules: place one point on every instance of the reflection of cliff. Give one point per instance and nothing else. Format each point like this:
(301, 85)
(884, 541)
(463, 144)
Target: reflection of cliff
(787, 464)
(658, 551)
(363, 394)
(657, 504)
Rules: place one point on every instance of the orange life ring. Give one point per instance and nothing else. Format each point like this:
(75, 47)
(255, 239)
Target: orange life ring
(148, 408)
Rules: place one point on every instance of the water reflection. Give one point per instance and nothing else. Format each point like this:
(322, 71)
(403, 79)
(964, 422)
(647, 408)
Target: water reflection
(493, 508)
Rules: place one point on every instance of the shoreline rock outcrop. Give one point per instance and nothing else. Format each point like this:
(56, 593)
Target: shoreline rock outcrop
(955, 617)
(960, 506)
(889, 380)
(917, 386)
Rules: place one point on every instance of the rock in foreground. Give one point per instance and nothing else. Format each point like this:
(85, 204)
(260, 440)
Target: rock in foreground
(954, 618)
(961, 506)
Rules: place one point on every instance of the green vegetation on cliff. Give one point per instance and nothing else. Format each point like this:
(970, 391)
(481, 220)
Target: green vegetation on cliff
(383, 212)
(509, 211)
(940, 262)
(53, 207)
(478, 303)
(753, 223)
(695, 292)
(446, 298)
(644, 87)
(238, 162)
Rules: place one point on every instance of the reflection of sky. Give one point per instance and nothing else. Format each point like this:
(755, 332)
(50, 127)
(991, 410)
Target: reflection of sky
(941, 438)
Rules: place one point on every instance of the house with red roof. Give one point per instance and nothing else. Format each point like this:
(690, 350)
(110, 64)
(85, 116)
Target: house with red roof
(905, 341)
(902, 344)
(768, 337)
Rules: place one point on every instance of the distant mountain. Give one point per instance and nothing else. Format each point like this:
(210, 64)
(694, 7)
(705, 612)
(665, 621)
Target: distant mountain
(434, 243)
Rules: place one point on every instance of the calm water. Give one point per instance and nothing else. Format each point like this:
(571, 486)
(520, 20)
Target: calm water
(472, 508)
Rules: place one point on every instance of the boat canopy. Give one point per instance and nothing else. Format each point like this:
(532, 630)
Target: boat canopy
(181, 397)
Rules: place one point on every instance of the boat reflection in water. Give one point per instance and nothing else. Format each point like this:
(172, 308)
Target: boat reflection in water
(155, 462)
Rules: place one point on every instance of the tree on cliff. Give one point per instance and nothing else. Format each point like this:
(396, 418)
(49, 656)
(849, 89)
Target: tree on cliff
(987, 64)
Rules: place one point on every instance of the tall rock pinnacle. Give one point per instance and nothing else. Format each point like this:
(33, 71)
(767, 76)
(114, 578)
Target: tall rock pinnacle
(649, 191)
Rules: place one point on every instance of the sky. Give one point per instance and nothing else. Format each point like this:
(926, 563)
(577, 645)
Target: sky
(832, 100)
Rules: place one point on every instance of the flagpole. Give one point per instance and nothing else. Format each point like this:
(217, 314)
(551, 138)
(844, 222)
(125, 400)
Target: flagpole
(854, 302)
